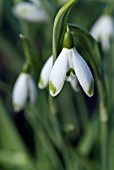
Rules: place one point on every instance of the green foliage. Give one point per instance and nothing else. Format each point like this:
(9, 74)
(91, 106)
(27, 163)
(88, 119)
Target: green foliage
(70, 132)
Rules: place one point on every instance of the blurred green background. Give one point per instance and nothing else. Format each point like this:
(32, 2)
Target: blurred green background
(63, 134)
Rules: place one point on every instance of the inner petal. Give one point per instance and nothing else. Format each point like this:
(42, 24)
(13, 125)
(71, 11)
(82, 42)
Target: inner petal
(70, 74)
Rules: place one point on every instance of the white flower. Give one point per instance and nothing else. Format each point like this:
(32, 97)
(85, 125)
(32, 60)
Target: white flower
(23, 90)
(45, 73)
(30, 12)
(102, 30)
(69, 63)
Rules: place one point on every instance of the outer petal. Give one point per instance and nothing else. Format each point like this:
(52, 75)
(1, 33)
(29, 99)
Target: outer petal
(45, 73)
(96, 29)
(29, 12)
(74, 84)
(32, 90)
(105, 43)
(20, 92)
(83, 73)
(58, 73)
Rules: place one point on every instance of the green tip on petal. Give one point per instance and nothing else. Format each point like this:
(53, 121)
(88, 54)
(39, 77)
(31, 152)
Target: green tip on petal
(91, 88)
(52, 87)
(41, 82)
(24, 11)
(17, 107)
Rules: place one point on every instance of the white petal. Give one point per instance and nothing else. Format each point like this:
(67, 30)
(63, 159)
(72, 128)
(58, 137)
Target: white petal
(20, 92)
(83, 73)
(71, 73)
(74, 84)
(45, 73)
(58, 73)
(30, 12)
(105, 43)
(32, 90)
(96, 29)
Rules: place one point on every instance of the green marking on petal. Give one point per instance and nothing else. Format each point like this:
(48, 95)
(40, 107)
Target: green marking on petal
(71, 70)
(24, 11)
(52, 87)
(41, 82)
(17, 107)
(91, 88)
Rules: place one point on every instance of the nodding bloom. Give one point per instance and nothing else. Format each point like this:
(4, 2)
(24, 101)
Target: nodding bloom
(102, 30)
(30, 12)
(45, 73)
(24, 90)
(71, 65)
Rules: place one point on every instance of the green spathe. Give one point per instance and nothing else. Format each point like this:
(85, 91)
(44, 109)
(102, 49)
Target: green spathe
(68, 40)
(52, 87)
(26, 67)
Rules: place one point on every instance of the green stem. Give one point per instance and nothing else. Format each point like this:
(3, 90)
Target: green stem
(59, 26)
(104, 126)
(26, 47)
(109, 8)
(52, 106)
(111, 156)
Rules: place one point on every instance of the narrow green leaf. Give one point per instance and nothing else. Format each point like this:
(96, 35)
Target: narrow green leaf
(89, 138)
(59, 26)
(10, 138)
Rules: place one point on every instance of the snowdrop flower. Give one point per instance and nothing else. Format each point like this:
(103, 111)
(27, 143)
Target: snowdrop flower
(24, 89)
(30, 12)
(45, 73)
(102, 30)
(70, 63)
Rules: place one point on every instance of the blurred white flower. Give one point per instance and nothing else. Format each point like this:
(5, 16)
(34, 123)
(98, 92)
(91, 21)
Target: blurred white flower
(23, 90)
(102, 30)
(45, 73)
(70, 64)
(30, 12)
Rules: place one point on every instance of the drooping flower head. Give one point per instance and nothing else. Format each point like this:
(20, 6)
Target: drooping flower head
(30, 12)
(71, 65)
(45, 73)
(24, 90)
(102, 30)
